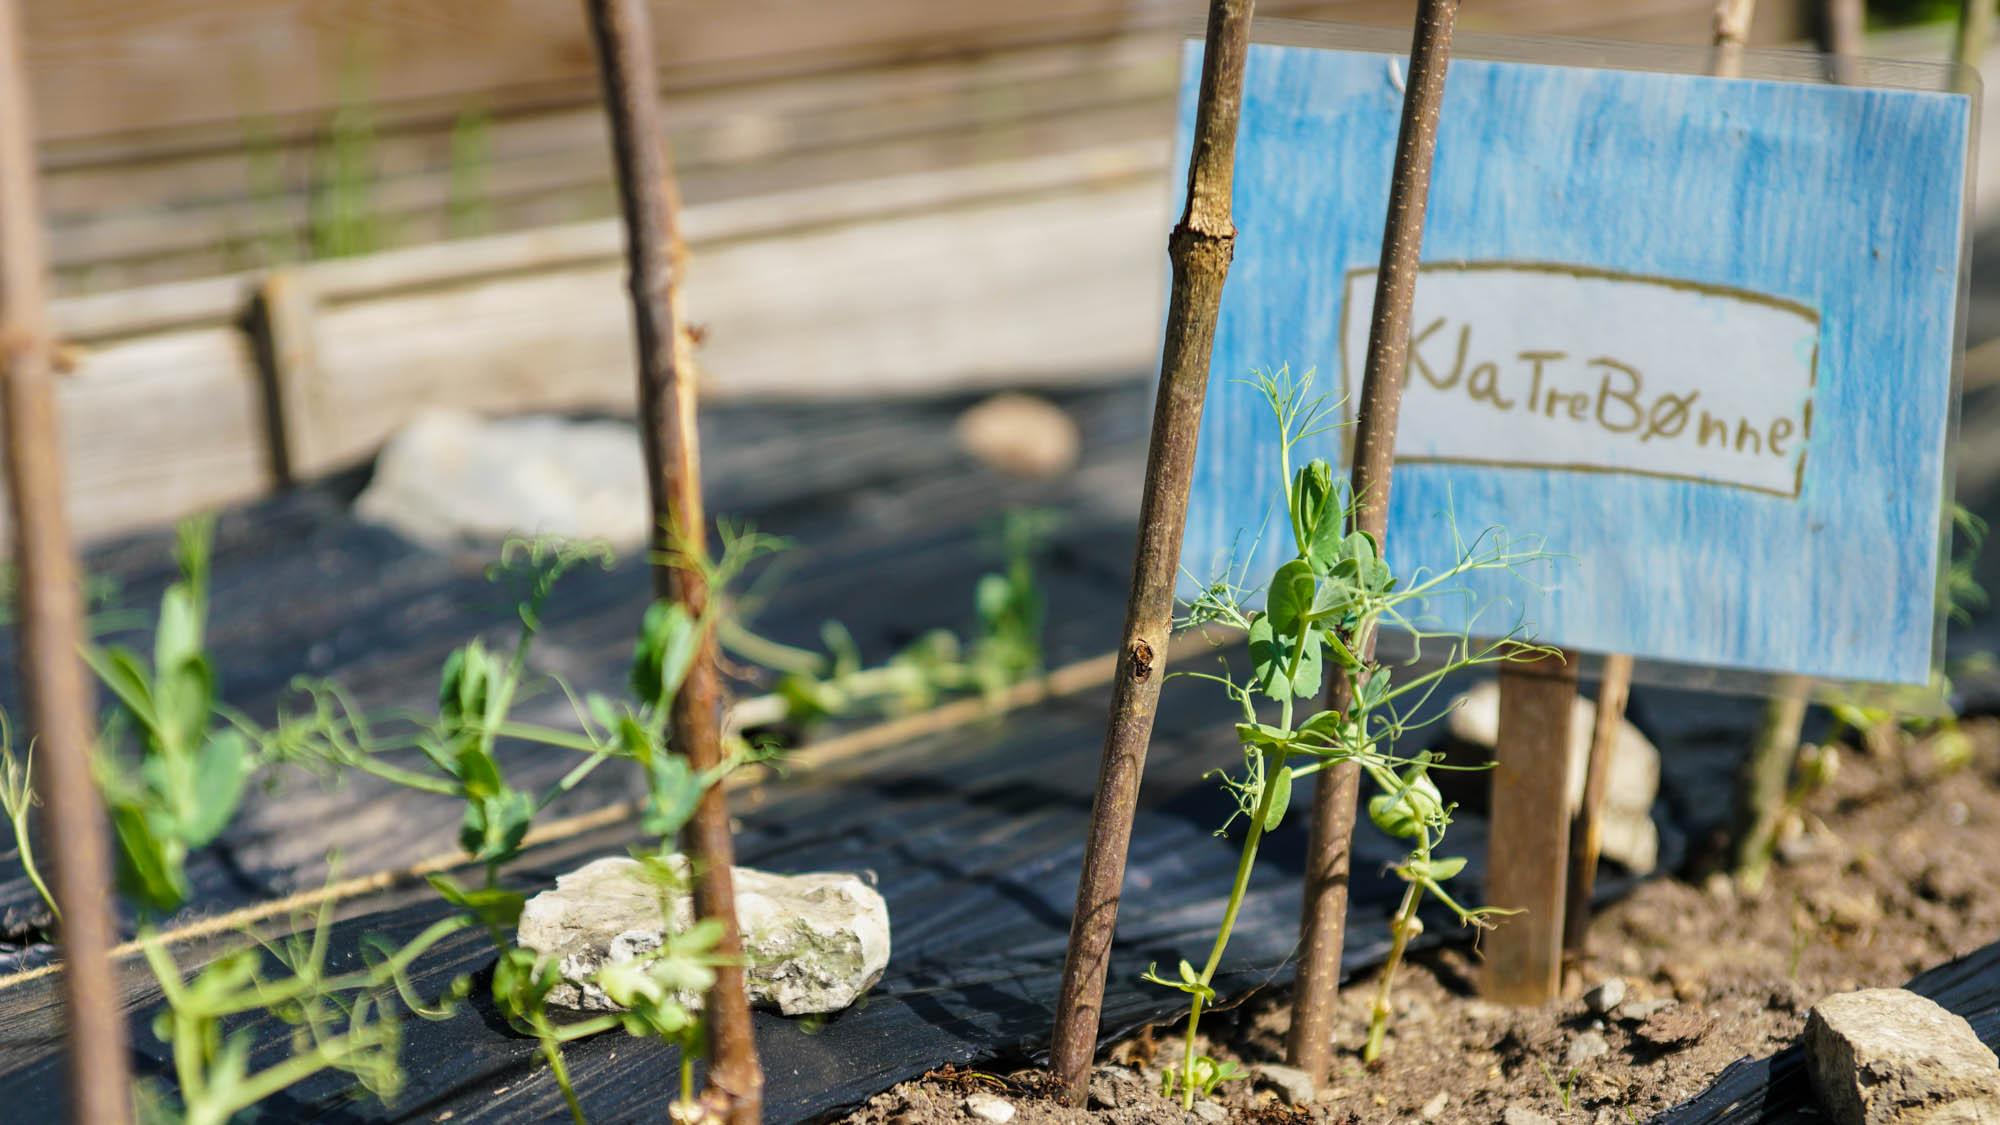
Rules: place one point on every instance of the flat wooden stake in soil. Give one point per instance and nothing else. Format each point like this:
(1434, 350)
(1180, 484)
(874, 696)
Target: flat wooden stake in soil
(623, 33)
(51, 617)
(1323, 927)
(1200, 248)
(1527, 851)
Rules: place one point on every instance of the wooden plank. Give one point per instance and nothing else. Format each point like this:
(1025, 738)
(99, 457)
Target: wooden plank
(1528, 838)
(897, 305)
(169, 217)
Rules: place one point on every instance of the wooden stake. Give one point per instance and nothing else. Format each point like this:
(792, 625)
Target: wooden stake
(1323, 926)
(647, 192)
(1732, 28)
(1528, 842)
(1975, 31)
(1613, 689)
(1200, 249)
(51, 615)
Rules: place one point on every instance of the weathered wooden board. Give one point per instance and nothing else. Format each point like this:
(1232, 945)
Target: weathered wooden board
(907, 284)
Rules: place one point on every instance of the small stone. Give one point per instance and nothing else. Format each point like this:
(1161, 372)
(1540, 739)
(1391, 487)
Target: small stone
(1210, 1112)
(986, 1107)
(1434, 1108)
(1884, 1055)
(1587, 1048)
(450, 476)
(1114, 1086)
(1638, 1011)
(814, 943)
(1293, 1085)
(1021, 435)
(1605, 998)
(1516, 1115)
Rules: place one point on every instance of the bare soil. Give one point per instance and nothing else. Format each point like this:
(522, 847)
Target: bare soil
(1893, 873)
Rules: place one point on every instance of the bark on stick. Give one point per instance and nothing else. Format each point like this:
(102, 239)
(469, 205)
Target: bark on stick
(51, 616)
(1323, 928)
(1200, 249)
(655, 256)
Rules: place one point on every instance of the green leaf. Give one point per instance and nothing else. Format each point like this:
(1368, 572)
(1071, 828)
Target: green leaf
(665, 650)
(494, 907)
(674, 790)
(1447, 868)
(149, 863)
(1291, 597)
(1272, 666)
(179, 636)
(183, 698)
(463, 686)
(1264, 735)
(1188, 975)
(221, 769)
(1281, 798)
(119, 670)
(1317, 514)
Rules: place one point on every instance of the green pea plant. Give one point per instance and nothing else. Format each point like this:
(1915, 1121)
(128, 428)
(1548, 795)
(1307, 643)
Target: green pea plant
(1322, 608)
(345, 1021)
(174, 789)
(459, 760)
(1005, 650)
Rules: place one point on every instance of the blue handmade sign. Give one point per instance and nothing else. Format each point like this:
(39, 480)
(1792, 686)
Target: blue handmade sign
(1697, 333)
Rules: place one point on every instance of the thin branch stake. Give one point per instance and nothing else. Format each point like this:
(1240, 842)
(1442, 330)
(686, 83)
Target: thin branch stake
(1614, 688)
(1200, 249)
(1323, 927)
(51, 616)
(655, 256)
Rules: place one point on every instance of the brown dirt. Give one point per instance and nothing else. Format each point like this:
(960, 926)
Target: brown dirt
(1893, 874)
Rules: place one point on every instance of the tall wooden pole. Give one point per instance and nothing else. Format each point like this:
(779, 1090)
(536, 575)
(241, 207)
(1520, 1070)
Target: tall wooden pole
(1200, 249)
(51, 616)
(655, 256)
(1323, 927)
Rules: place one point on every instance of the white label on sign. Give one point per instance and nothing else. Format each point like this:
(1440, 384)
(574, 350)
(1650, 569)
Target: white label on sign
(1564, 367)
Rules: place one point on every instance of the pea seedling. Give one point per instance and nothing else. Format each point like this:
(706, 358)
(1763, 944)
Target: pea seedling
(1323, 606)
(192, 764)
(1005, 650)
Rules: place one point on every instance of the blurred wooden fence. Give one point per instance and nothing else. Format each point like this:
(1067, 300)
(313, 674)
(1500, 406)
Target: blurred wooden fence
(885, 195)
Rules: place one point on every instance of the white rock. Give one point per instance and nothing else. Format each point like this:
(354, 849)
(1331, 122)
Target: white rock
(1020, 434)
(986, 1107)
(449, 476)
(1627, 833)
(1885, 1055)
(813, 943)
(1210, 1112)
(1293, 1085)
(1434, 1108)
(1605, 998)
(1516, 1115)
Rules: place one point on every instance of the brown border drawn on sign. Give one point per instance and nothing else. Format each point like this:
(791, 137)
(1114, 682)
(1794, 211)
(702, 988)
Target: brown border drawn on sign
(1747, 296)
